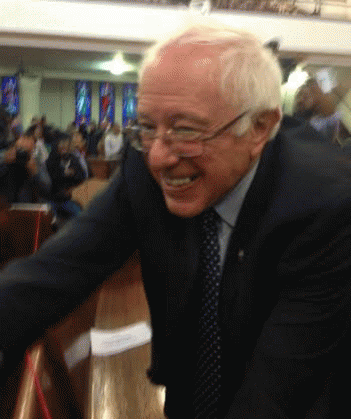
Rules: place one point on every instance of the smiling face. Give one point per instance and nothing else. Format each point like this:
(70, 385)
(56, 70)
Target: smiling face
(181, 92)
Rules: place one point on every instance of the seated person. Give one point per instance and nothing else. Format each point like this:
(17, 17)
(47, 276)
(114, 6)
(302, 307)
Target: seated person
(40, 151)
(40, 140)
(319, 109)
(65, 172)
(79, 149)
(24, 177)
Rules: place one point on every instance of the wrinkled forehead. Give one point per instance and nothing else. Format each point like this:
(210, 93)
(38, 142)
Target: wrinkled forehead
(187, 63)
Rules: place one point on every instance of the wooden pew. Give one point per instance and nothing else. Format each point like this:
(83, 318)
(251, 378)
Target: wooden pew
(118, 385)
(23, 229)
(97, 386)
(71, 381)
(101, 168)
(55, 371)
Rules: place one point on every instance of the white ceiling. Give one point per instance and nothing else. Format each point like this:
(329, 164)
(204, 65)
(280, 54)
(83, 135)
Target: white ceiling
(68, 63)
(56, 63)
(63, 49)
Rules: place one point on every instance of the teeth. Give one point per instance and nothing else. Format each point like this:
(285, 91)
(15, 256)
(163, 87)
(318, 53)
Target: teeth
(178, 182)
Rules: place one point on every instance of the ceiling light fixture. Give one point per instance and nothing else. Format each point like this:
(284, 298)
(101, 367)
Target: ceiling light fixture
(118, 65)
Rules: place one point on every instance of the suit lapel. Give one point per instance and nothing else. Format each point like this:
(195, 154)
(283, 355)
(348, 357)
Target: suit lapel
(241, 318)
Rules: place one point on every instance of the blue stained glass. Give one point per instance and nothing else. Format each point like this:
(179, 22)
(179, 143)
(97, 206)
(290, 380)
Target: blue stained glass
(10, 96)
(129, 102)
(83, 101)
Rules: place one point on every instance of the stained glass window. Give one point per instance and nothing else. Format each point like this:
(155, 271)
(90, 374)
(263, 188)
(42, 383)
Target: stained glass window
(129, 103)
(83, 101)
(107, 102)
(10, 98)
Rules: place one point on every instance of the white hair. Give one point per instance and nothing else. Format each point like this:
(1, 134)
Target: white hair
(250, 74)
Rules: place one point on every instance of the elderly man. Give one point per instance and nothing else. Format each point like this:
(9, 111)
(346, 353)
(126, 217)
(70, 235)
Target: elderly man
(243, 233)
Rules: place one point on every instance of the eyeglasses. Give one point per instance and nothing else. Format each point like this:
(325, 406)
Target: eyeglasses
(184, 142)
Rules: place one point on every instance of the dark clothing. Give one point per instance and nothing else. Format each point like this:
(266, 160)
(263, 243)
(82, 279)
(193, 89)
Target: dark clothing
(284, 305)
(93, 139)
(4, 128)
(18, 185)
(65, 173)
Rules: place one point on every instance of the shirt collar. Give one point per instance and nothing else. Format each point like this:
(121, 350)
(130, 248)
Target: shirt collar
(229, 207)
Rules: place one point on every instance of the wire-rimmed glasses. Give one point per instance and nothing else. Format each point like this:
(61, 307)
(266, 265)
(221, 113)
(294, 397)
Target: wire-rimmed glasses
(182, 141)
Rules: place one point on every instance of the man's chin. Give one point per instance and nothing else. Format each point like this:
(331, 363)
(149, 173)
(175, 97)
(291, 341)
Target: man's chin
(184, 209)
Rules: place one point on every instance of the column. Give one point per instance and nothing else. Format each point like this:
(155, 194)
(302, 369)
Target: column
(29, 98)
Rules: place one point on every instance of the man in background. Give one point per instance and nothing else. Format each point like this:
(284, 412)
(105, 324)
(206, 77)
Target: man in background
(319, 109)
(23, 173)
(113, 142)
(66, 172)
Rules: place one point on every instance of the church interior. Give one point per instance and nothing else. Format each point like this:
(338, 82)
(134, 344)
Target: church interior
(93, 364)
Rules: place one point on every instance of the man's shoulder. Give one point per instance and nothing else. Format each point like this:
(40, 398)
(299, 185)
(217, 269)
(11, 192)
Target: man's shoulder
(309, 172)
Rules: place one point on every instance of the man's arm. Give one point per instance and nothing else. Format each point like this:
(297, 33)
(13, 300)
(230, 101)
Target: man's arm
(37, 291)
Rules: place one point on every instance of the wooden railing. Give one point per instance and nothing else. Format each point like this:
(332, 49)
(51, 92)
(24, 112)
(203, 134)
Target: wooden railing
(59, 377)
(101, 168)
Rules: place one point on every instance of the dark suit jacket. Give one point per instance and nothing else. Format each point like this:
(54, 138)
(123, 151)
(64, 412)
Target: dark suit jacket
(284, 305)
(61, 182)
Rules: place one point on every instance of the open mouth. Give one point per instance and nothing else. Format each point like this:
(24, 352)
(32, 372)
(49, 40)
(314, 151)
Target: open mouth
(179, 181)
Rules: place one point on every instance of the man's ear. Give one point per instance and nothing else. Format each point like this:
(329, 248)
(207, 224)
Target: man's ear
(262, 128)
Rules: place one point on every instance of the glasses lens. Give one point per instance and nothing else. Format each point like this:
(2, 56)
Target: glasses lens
(187, 148)
(178, 144)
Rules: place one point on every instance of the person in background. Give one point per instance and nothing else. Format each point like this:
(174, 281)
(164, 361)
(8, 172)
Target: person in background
(103, 129)
(16, 128)
(5, 121)
(113, 142)
(319, 109)
(23, 172)
(242, 222)
(130, 132)
(93, 139)
(65, 172)
(83, 129)
(71, 128)
(41, 149)
(79, 150)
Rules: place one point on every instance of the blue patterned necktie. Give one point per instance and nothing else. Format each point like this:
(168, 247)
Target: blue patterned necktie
(208, 373)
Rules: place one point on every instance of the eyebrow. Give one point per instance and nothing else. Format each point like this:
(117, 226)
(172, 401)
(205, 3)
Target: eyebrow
(178, 116)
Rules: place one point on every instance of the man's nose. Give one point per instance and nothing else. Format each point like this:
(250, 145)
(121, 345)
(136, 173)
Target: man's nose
(160, 154)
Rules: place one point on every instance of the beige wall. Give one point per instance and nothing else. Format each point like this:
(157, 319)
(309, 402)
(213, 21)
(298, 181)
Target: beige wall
(57, 101)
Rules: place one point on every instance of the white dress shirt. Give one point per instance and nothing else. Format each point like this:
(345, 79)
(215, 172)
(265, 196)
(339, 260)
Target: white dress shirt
(113, 144)
(229, 208)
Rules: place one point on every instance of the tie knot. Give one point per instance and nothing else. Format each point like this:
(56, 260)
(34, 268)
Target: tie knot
(210, 220)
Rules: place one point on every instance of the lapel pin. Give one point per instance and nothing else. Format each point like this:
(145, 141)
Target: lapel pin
(241, 254)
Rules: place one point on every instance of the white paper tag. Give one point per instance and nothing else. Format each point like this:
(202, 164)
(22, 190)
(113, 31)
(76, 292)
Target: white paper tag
(79, 350)
(111, 342)
(22, 206)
